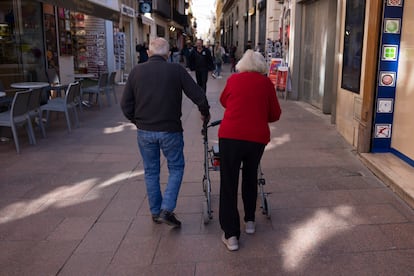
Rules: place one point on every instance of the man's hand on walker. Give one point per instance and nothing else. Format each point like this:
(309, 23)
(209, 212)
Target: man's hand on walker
(205, 119)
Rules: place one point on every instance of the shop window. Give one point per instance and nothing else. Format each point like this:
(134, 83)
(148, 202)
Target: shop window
(50, 37)
(353, 43)
(22, 54)
(160, 31)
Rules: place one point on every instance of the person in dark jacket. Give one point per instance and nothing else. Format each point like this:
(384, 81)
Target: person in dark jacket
(152, 100)
(142, 51)
(250, 103)
(201, 61)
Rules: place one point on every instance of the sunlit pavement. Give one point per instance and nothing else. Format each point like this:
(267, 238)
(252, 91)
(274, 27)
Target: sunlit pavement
(75, 204)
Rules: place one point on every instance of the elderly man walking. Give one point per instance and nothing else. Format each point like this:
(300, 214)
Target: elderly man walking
(152, 100)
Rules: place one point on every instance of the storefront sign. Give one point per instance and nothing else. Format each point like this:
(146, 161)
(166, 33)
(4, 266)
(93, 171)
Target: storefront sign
(387, 75)
(385, 105)
(387, 79)
(87, 7)
(127, 11)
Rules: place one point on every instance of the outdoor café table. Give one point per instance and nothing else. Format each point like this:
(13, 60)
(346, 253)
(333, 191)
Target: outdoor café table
(2, 94)
(29, 85)
(34, 85)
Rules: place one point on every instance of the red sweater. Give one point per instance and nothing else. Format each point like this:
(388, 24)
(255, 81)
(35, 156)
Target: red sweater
(250, 103)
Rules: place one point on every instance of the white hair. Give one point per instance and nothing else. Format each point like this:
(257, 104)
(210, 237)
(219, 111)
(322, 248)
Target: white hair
(252, 62)
(159, 46)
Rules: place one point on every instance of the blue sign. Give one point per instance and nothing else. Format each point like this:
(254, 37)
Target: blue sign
(387, 75)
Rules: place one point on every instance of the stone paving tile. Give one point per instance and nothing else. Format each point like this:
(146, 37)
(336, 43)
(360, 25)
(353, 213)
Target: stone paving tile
(104, 237)
(104, 191)
(87, 264)
(374, 196)
(173, 248)
(392, 262)
(11, 251)
(360, 238)
(193, 204)
(14, 209)
(142, 225)
(132, 189)
(380, 214)
(75, 207)
(136, 250)
(72, 229)
(181, 269)
(121, 209)
(400, 235)
(31, 228)
(14, 190)
(267, 266)
(44, 258)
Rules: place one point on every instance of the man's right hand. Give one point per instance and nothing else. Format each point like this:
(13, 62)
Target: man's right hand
(205, 119)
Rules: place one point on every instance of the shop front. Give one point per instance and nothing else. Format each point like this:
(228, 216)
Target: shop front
(36, 36)
(22, 55)
(393, 128)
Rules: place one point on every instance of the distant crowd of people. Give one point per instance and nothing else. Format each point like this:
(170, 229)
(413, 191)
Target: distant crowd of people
(220, 53)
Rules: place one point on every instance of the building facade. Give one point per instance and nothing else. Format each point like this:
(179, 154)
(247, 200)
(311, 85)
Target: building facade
(247, 24)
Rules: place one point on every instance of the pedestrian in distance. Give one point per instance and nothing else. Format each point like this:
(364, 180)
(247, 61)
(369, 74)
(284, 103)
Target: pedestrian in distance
(142, 51)
(232, 55)
(218, 52)
(175, 54)
(185, 52)
(152, 100)
(201, 61)
(250, 103)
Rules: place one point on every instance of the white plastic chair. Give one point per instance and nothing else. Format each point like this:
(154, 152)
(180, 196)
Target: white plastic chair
(18, 116)
(98, 90)
(33, 110)
(64, 105)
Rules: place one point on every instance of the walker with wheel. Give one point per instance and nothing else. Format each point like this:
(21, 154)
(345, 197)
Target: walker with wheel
(212, 163)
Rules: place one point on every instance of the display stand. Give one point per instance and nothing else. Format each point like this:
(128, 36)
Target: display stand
(79, 39)
(119, 49)
(282, 80)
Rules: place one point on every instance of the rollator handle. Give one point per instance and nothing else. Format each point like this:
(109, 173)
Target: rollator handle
(215, 123)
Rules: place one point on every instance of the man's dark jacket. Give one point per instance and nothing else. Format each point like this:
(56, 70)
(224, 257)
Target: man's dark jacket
(152, 97)
(201, 61)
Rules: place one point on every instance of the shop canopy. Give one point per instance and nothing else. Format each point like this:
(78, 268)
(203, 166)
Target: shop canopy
(87, 7)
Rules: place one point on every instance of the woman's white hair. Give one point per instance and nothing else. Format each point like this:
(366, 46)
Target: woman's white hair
(159, 46)
(252, 62)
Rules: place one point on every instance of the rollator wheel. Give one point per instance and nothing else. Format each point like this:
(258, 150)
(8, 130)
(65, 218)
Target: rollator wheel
(204, 182)
(266, 209)
(206, 215)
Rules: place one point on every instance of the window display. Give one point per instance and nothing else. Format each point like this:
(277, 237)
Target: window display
(65, 34)
(80, 52)
(22, 51)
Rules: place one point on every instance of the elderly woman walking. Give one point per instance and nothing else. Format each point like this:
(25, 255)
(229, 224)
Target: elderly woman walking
(250, 103)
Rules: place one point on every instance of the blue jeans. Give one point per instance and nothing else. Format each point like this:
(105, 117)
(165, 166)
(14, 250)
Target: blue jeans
(171, 144)
(218, 69)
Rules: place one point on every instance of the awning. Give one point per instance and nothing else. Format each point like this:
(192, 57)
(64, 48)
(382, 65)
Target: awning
(87, 7)
(147, 20)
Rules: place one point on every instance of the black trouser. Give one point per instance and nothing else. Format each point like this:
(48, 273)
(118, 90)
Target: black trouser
(236, 154)
(201, 77)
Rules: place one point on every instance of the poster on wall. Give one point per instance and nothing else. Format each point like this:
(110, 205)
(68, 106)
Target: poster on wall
(273, 68)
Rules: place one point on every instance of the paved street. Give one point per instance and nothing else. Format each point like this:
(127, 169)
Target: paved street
(75, 204)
